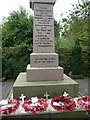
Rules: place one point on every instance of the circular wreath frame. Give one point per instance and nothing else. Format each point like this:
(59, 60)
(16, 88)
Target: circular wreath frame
(35, 109)
(69, 103)
(82, 102)
(8, 110)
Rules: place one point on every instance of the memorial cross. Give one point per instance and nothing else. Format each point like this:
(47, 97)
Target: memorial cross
(46, 96)
(65, 94)
(22, 98)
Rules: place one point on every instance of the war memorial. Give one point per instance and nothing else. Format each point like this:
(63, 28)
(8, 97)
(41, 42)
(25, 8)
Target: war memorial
(44, 77)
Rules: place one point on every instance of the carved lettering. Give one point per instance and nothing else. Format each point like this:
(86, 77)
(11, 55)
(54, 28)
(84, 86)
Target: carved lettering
(44, 60)
(43, 23)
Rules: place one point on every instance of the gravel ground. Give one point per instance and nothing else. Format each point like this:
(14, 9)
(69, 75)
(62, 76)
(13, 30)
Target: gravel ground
(8, 85)
(83, 85)
(6, 88)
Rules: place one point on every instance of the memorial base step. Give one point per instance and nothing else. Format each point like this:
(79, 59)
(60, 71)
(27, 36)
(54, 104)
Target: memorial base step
(39, 88)
(50, 73)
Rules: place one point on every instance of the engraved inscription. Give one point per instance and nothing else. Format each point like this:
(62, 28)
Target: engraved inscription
(44, 60)
(43, 23)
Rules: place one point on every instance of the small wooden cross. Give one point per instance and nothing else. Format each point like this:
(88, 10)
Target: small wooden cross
(46, 96)
(22, 98)
(65, 94)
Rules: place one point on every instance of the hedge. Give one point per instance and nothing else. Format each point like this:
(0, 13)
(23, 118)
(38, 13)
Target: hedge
(15, 60)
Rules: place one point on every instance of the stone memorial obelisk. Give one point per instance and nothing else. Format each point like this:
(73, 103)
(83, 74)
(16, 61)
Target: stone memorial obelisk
(43, 61)
(43, 75)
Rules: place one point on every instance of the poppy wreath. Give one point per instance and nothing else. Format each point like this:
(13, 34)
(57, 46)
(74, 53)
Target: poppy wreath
(64, 103)
(11, 107)
(38, 107)
(84, 102)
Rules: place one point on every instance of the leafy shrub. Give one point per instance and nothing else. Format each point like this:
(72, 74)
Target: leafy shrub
(17, 28)
(15, 62)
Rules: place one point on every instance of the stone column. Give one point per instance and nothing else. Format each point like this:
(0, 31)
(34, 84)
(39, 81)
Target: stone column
(43, 60)
(43, 28)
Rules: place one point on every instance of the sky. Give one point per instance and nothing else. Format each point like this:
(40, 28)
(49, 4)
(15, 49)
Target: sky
(61, 6)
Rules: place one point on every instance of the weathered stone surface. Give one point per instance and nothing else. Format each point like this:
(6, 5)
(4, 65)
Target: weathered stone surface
(43, 28)
(44, 60)
(39, 88)
(41, 1)
(49, 73)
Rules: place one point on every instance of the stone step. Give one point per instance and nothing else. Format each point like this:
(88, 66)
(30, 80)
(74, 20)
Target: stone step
(46, 73)
(39, 88)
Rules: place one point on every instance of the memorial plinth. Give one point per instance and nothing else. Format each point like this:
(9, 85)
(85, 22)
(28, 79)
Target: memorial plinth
(39, 88)
(43, 73)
